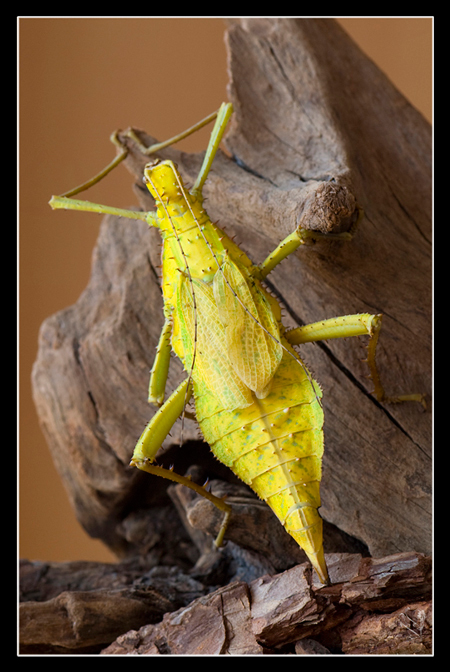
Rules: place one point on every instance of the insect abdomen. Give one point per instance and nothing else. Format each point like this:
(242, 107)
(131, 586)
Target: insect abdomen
(275, 445)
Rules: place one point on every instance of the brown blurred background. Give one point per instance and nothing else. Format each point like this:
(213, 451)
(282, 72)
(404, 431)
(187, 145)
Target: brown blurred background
(80, 79)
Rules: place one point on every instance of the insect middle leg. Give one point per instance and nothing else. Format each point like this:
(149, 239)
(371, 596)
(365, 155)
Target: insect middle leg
(363, 324)
(160, 368)
(300, 237)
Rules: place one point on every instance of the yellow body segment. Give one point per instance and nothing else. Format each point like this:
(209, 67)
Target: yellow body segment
(275, 446)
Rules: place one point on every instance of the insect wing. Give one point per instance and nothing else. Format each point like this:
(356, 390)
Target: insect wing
(211, 358)
(255, 352)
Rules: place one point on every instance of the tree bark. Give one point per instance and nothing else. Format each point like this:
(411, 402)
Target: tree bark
(373, 607)
(317, 128)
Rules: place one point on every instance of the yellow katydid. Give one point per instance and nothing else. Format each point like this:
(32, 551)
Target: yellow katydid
(256, 403)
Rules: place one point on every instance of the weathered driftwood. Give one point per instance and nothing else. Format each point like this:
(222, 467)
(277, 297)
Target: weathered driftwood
(373, 606)
(80, 607)
(316, 128)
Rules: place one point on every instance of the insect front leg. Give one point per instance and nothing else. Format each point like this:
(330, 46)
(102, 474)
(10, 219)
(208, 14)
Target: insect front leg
(123, 151)
(222, 117)
(363, 324)
(151, 440)
(65, 201)
(152, 149)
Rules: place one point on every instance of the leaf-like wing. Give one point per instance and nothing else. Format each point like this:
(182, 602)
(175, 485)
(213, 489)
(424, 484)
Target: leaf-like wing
(211, 357)
(253, 343)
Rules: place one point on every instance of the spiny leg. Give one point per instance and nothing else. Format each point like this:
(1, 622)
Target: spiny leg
(223, 115)
(160, 425)
(341, 327)
(199, 489)
(300, 237)
(363, 324)
(66, 203)
(160, 369)
(152, 439)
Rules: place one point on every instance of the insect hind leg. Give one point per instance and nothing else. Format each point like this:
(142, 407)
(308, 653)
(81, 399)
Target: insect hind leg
(151, 440)
(363, 324)
(146, 465)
